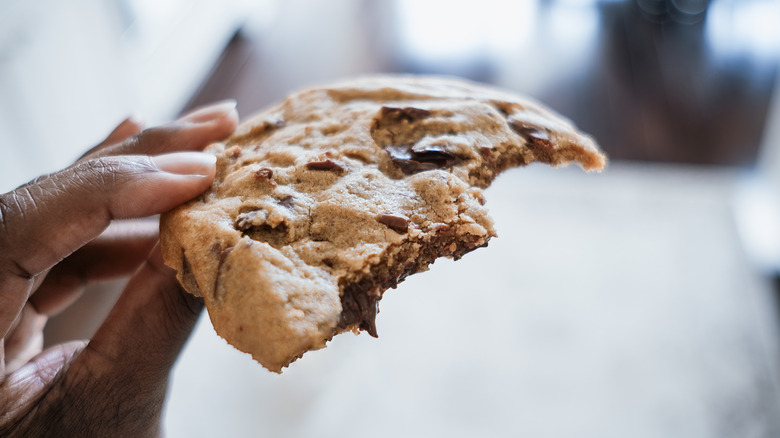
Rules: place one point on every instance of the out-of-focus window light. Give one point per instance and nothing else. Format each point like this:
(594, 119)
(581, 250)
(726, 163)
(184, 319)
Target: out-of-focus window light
(572, 22)
(150, 21)
(561, 48)
(736, 28)
(572, 26)
(444, 32)
(500, 38)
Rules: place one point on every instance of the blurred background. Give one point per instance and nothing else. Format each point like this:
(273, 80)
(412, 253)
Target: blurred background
(637, 302)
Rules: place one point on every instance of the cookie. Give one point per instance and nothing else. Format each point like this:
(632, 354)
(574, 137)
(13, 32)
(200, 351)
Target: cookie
(328, 199)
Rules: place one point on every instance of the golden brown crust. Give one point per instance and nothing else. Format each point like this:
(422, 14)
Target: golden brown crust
(329, 198)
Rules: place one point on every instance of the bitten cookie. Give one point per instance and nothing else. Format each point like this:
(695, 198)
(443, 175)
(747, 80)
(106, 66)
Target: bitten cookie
(326, 200)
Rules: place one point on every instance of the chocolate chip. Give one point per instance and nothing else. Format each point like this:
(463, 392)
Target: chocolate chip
(265, 174)
(502, 108)
(396, 223)
(408, 113)
(233, 152)
(326, 165)
(286, 202)
(244, 220)
(412, 159)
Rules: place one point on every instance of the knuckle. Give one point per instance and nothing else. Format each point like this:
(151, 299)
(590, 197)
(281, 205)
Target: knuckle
(13, 206)
(111, 171)
(6, 200)
(181, 307)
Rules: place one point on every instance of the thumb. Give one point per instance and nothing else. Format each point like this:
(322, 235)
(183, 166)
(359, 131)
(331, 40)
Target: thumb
(48, 219)
(147, 328)
(45, 221)
(116, 386)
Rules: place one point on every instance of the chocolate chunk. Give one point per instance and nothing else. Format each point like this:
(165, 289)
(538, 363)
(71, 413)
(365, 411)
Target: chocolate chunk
(532, 133)
(256, 221)
(254, 224)
(539, 140)
(413, 159)
(396, 223)
(408, 113)
(326, 165)
(222, 256)
(395, 130)
(249, 219)
(265, 174)
(187, 277)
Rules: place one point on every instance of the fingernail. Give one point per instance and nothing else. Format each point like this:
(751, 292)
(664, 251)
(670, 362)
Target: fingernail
(186, 163)
(134, 122)
(211, 112)
(133, 119)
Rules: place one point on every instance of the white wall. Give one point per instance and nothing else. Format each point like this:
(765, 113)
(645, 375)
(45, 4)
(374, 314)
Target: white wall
(70, 71)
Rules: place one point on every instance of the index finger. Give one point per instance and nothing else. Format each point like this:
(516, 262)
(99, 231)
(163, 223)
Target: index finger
(44, 221)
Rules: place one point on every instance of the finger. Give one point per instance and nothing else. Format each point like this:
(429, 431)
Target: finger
(117, 384)
(128, 128)
(24, 388)
(194, 131)
(44, 222)
(25, 339)
(147, 328)
(116, 253)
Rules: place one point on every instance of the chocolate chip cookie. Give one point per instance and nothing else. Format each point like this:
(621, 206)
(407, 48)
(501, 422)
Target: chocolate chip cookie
(328, 199)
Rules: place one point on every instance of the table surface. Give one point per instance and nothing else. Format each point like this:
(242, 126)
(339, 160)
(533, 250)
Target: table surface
(611, 305)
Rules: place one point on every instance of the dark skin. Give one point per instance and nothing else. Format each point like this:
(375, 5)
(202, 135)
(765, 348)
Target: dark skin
(57, 236)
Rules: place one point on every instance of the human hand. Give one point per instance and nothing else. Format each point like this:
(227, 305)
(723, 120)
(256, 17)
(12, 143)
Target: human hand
(55, 238)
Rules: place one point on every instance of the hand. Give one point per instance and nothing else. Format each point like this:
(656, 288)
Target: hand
(55, 238)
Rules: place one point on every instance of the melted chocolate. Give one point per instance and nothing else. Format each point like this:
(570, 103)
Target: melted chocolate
(360, 306)
(360, 298)
(399, 131)
(412, 159)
